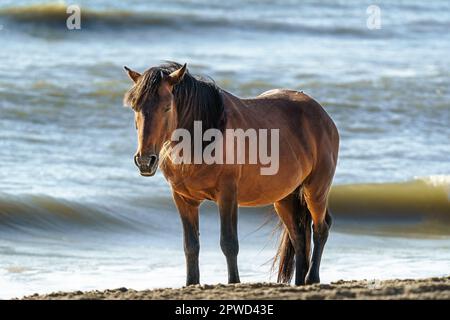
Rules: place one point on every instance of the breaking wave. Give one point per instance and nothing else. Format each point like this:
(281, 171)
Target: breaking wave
(425, 198)
(54, 15)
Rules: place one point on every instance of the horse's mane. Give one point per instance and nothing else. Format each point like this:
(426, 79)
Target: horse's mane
(196, 99)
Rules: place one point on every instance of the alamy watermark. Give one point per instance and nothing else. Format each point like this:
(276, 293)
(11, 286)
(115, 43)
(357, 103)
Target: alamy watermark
(186, 150)
(73, 22)
(373, 21)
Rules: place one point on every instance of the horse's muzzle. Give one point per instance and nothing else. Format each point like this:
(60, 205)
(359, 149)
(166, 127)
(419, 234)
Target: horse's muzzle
(147, 164)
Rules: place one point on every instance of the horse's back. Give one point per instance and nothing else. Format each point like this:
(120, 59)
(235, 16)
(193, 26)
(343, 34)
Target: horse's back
(300, 116)
(298, 103)
(287, 94)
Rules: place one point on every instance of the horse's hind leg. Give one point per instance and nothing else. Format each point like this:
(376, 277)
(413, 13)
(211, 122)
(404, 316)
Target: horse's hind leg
(316, 195)
(316, 190)
(290, 212)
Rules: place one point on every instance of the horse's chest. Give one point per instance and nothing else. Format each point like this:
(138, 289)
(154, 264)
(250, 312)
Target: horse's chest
(191, 183)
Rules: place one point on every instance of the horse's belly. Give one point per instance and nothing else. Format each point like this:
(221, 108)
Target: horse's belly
(261, 190)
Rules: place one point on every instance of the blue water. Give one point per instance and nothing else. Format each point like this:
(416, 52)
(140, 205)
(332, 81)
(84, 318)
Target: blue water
(67, 178)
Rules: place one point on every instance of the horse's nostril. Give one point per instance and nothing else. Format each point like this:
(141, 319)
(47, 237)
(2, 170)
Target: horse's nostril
(136, 161)
(152, 161)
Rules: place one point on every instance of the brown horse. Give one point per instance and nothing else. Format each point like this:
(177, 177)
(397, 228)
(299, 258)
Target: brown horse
(168, 97)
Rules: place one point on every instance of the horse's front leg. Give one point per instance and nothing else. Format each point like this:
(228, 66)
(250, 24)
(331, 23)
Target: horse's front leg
(188, 210)
(228, 210)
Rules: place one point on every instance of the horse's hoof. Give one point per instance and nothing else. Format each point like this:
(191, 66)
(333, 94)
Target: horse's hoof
(299, 283)
(234, 281)
(192, 283)
(300, 278)
(312, 278)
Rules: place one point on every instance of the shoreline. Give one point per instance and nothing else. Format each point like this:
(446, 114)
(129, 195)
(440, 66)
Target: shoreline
(429, 288)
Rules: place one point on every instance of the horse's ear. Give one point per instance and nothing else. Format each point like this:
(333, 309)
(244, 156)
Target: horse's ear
(132, 74)
(176, 76)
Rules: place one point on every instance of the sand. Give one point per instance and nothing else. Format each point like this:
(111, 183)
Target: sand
(432, 288)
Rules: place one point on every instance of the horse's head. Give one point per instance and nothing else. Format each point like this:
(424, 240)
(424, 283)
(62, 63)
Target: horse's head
(153, 103)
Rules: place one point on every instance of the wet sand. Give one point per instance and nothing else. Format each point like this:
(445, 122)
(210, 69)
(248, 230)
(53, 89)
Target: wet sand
(432, 288)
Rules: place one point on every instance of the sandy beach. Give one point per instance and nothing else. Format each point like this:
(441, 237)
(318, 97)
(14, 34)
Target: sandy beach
(431, 288)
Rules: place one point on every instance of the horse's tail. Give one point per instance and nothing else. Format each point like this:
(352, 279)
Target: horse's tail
(286, 253)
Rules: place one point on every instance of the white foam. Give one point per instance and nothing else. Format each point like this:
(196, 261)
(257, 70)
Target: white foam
(436, 180)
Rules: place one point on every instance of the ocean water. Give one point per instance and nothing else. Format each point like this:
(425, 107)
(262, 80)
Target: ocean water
(76, 215)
